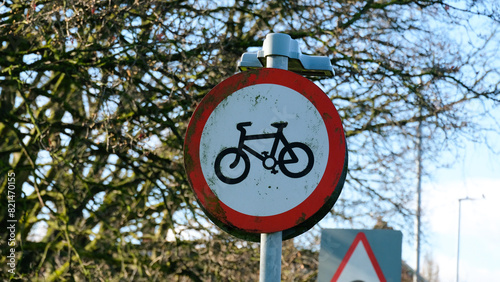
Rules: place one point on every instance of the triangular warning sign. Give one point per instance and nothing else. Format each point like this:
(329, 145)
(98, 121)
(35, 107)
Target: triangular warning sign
(359, 263)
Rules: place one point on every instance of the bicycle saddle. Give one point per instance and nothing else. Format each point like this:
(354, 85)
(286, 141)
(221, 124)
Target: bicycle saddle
(281, 124)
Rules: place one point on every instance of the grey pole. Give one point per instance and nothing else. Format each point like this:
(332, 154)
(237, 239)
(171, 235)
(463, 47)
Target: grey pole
(459, 218)
(419, 198)
(270, 257)
(271, 243)
(458, 240)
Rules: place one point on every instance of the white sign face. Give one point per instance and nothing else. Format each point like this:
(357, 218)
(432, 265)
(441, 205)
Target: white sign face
(264, 149)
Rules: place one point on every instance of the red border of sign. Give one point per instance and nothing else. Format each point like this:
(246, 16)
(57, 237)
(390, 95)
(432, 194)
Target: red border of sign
(360, 237)
(319, 197)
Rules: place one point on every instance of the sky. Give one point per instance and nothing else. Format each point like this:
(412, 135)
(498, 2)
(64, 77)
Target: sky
(476, 175)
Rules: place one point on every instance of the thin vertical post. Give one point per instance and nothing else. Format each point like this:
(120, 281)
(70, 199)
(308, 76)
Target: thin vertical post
(270, 257)
(271, 243)
(459, 220)
(419, 198)
(458, 240)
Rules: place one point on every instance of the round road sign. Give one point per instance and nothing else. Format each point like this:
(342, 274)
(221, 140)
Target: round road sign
(264, 152)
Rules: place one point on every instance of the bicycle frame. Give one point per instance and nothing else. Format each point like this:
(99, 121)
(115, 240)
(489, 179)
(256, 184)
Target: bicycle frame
(278, 136)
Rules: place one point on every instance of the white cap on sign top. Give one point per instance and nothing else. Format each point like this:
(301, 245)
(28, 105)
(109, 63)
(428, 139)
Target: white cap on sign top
(280, 44)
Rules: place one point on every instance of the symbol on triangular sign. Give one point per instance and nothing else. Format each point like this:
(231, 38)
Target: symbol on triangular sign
(359, 263)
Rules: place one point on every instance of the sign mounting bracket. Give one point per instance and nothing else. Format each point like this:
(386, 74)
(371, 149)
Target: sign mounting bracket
(279, 44)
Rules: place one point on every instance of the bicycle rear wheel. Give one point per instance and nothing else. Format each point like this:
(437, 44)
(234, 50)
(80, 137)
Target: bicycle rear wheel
(228, 167)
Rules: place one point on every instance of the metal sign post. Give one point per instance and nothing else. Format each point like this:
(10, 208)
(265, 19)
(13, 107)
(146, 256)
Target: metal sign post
(270, 257)
(271, 243)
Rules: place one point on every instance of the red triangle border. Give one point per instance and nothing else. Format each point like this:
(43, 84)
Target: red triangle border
(360, 237)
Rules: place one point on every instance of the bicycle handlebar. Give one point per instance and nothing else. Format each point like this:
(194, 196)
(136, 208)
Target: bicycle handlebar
(240, 125)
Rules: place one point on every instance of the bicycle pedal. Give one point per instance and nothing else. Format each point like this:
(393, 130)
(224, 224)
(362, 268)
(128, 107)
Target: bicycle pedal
(265, 153)
(274, 171)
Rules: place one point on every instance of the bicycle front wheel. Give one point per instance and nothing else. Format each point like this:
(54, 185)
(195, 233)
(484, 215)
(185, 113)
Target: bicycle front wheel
(296, 160)
(229, 168)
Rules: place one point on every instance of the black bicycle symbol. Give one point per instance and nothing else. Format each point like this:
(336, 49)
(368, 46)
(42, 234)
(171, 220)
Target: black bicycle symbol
(287, 156)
